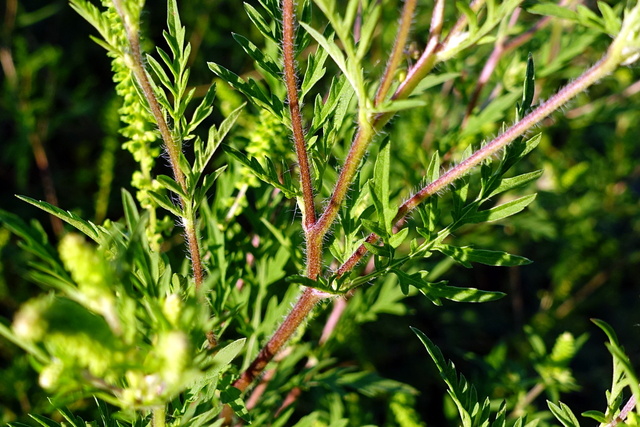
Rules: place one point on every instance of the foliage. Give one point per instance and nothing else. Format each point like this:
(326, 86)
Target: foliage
(355, 186)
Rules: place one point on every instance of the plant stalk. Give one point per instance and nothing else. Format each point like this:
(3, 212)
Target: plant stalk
(135, 64)
(603, 67)
(288, 48)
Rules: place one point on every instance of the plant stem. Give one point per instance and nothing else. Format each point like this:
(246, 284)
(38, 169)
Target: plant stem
(397, 52)
(603, 67)
(159, 415)
(135, 64)
(308, 299)
(288, 48)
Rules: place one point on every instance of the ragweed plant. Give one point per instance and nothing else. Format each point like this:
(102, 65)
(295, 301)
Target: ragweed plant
(131, 322)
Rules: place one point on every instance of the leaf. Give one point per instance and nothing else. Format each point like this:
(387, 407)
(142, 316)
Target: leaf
(203, 110)
(224, 356)
(163, 201)
(501, 211)
(251, 89)
(335, 53)
(131, 214)
(399, 105)
(436, 291)
(232, 397)
(264, 61)
(466, 255)
(44, 421)
(261, 24)
(380, 187)
(315, 71)
(321, 284)
(507, 184)
(564, 414)
(550, 9)
(397, 239)
(596, 415)
(269, 176)
(171, 185)
(91, 230)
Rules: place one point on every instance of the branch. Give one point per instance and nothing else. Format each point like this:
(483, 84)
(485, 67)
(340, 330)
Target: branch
(603, 67)
(288, 37)
(134, 61)
(397, 52)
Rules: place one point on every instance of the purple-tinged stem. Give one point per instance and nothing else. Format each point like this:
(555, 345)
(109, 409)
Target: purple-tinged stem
(603, 67)
(288, 48)
(397, 52)
(135, 64)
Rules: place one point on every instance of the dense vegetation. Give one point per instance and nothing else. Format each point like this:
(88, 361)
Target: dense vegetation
(284, 212)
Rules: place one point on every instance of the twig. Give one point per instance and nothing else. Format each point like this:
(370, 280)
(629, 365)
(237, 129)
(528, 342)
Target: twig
(628, 407)
(397, 52)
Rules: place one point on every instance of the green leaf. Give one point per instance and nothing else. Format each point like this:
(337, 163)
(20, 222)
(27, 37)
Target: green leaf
(163, 201)
(607, 329)
(250, 89)
(270, 175)
(399, 105)
(507, 184)
(436, 291)
(612, 22)
(233, 397)
(596, 415)
(44, 421)
(380, 187)
(466, 255)
(203, 110)
(91, 230)
(171, 185)
(315, 71)
(264, 61)
(501, 211)
(131, 214)
(397, 239)
(336, 54)
(550, 9)
(564, 414)
(261, 24)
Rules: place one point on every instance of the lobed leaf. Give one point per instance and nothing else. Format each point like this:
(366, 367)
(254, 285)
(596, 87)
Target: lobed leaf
(466, 255)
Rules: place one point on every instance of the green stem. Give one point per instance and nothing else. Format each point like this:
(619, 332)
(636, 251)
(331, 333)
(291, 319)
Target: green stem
(159, 417)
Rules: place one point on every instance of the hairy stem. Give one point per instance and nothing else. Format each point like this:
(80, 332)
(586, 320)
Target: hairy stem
(308, 299)
(603, 67)
(398, 50)
(288, 48)
(133, 59)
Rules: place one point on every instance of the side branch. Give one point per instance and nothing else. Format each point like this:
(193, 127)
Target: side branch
(288, 48)
(599, 70)
(134, 62)
(398, 50)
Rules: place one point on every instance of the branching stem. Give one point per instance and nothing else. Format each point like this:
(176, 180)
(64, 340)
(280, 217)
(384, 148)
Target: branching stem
(603, 67)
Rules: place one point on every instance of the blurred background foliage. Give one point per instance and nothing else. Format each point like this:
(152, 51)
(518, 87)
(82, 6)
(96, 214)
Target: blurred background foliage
(59, 141)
